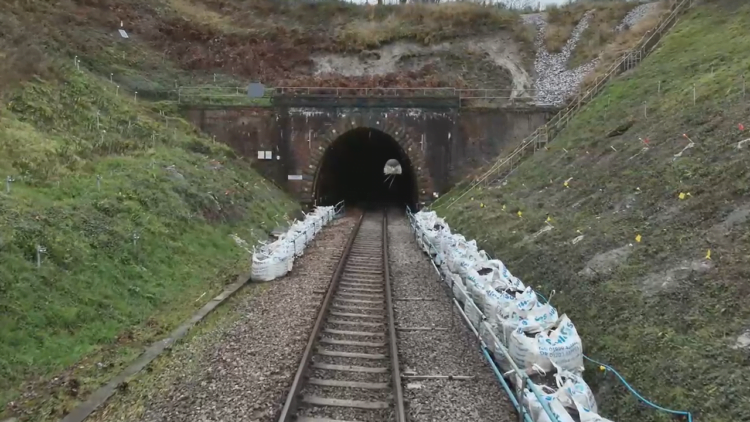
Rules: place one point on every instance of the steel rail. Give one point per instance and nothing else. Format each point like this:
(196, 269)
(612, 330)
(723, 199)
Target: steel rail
(290, 406)
(398, 395)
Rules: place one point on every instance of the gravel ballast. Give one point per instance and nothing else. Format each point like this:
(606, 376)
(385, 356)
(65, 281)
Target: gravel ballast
(451, 352)
(242, 371)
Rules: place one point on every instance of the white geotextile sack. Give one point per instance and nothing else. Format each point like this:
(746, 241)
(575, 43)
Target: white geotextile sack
(523, 347)
(576, 391)
(298, 241)
(282, 256)
(587, 415)
(453, 247)
(502, 278)
(310, 229)
(262, 268)
(538, 316)
(497, 303)
(563, 346)
(436, 231)
(555, 405)
(299, 231)
(452, 279)
(525, 311)
(471, 260)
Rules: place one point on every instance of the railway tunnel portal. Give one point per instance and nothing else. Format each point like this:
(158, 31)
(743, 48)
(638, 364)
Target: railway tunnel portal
(321, 150)
(352, 169)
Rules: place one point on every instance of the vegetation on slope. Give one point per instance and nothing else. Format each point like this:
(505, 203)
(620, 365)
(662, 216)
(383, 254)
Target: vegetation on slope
(601, 34)
(628, 253)
(562, 20)
(129, 255)
(186, 42)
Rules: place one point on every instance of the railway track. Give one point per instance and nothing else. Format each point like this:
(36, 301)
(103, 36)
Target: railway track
(349, 369)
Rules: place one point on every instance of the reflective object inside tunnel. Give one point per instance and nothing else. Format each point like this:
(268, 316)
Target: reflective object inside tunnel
(352, 169)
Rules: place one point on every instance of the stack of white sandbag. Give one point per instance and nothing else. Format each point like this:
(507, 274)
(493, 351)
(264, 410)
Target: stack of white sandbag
(509, 316)
(274, 260)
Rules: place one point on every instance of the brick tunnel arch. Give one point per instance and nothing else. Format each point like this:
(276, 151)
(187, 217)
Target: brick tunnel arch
(351, 169)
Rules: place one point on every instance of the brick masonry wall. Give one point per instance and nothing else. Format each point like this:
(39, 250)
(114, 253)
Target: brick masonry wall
(443, 144)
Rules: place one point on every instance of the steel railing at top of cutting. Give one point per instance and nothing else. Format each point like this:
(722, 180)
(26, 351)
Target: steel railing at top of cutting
(536, 97)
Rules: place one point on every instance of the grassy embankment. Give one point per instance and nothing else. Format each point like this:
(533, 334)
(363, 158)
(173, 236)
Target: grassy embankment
(128, 257)
(660, 310)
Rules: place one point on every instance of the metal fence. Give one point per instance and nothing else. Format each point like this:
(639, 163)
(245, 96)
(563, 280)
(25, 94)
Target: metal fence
(210, 94)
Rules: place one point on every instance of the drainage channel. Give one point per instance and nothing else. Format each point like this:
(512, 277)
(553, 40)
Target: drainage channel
(349, 369)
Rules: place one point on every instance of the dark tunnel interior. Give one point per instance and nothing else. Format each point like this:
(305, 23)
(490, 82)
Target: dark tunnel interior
(352, 170)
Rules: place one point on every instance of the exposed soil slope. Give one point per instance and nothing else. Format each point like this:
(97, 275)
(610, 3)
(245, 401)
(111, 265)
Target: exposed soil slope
(229, 42)
(649, 249)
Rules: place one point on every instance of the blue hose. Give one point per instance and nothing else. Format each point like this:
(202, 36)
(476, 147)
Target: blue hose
(631, 389)
(638, 395)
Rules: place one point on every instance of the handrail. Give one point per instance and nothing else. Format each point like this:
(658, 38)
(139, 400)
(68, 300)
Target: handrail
(234, 91)
(558, 122)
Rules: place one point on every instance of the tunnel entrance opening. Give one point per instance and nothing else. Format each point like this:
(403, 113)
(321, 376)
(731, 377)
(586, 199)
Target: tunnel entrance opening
(352, 170)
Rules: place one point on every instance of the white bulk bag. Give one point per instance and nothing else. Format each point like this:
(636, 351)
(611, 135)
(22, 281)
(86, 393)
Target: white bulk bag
(587, 415)
(262, 268)
(502, 278)
(538, 316)
(537, 411)
(526, 311)
(523, 347)
(563, 346)
(282, 256)
(436, 231)
(452, 279)
(298, 241)
(488, 337)
(299, 228)
(497, 304)
(577, 392)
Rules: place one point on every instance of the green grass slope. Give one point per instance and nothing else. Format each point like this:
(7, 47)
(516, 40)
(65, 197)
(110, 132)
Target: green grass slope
(126, 259)
(659, 310)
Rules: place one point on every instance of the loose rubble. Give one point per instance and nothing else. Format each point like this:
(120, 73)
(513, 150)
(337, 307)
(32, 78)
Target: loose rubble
(452, 352)
(554, 81)
(636, 15)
